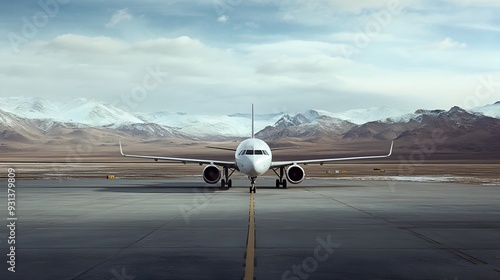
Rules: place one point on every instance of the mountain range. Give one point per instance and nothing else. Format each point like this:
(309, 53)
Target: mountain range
(28, 119)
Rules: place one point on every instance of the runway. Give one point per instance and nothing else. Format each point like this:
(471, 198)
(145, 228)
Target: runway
(320, 229)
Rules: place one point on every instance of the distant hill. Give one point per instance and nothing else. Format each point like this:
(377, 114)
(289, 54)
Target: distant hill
(35, 120)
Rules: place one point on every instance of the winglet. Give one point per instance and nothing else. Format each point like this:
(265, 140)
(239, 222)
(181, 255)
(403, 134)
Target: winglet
(390, 151)
(253, 131)
(121, 150)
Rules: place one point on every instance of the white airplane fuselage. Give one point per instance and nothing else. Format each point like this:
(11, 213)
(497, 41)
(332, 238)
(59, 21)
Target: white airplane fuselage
(253, 157)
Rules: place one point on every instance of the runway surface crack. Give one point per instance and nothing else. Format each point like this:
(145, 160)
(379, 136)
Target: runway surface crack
(132, 243)
(434, 243)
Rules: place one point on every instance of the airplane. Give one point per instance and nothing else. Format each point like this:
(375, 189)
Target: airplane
(253, 157)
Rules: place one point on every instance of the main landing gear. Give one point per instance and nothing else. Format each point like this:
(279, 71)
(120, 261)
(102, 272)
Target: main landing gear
(252, 187)
(226, 182)
(280, 181)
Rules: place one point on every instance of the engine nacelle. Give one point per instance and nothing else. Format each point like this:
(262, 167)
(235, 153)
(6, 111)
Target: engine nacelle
(211, 174)
(295, 174)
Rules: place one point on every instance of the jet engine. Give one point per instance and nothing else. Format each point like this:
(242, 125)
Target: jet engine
(211, 174)
(295, 174)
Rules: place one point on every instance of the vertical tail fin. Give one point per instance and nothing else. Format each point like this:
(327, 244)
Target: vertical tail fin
(253, 131)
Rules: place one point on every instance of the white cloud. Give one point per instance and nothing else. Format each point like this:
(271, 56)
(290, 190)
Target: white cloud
(304, 73)
(74, 44)
(337, 6)
(289, 51)
(223, 19)
(101, 66)
(328, 12)
(447, 43)
(487, 27)
(119, 16)
(476, 3)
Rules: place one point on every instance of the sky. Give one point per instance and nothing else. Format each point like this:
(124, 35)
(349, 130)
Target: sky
(219, 56)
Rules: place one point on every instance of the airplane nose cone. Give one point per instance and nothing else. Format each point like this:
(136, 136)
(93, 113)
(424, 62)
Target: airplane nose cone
(260, 166)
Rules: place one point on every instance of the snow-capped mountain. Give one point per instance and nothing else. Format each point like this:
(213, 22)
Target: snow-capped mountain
(310, 123)
(94, 113)
(29, 107)
(150, 130)
(383, 123)
(324, 123)
(38, 116)
(423, 121)
(361, 116)
(80, 110)
(88, 112)
(8, 119)
(491, 110)
(237, 125)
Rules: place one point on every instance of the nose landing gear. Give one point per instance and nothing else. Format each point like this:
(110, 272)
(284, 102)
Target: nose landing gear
(252, 187)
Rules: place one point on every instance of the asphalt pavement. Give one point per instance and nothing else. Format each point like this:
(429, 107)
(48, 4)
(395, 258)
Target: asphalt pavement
(185, 229)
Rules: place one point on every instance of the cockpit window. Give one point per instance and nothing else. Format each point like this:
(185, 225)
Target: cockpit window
(253, 152)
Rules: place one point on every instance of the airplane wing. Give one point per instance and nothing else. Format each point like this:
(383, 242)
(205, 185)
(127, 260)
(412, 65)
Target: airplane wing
(322, 161)
(222, 148)
(230, 164)
(284, 148)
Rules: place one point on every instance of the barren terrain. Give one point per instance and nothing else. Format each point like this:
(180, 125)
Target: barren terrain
(89, 159)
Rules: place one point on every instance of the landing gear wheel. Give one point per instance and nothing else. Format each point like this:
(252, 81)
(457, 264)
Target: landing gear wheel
(252, 184)
(284, 183)
(278, 183)
(229, 183)
(222, 183)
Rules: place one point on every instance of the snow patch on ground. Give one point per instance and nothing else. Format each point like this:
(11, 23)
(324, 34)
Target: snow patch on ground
(400, 178)
(437, 179)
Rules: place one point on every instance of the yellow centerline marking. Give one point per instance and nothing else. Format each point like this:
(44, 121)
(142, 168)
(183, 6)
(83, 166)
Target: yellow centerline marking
(250, 258)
